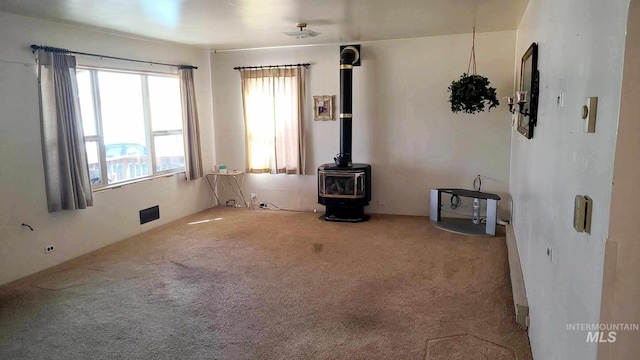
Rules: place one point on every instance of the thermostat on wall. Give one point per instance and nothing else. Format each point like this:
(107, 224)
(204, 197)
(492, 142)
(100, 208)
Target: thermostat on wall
(582, 213)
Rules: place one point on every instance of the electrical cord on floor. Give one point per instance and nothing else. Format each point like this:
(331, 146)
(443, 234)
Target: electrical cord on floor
(271, 206)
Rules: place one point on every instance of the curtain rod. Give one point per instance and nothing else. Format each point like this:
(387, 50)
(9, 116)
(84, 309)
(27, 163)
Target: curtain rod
(306, 65)
(66, 51)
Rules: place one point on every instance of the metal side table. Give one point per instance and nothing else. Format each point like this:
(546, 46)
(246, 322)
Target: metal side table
(238, 180)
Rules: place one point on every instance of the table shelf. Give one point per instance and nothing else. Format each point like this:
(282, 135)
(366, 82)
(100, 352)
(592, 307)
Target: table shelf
(460, 226)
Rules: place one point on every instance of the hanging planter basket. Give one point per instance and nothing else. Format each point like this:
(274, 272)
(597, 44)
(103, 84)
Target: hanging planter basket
(471, 93)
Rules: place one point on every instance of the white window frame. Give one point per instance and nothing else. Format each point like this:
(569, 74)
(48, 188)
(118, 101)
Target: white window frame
(149, 133)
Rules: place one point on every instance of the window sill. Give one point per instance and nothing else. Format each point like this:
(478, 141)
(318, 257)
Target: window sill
(135, 181)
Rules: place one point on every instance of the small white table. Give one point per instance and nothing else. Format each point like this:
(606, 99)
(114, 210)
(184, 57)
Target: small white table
(238, 181)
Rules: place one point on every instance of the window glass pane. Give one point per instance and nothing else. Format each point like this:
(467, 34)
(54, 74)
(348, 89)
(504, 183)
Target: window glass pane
(113, 151)
(93, 158)
(164, 99)
(169, 152)
(86, 102)
(123, 125)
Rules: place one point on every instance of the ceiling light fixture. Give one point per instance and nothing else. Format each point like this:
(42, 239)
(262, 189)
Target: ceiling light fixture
(303, 33)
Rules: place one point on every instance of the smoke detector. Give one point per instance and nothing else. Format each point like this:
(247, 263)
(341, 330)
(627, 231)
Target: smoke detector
(303, 33)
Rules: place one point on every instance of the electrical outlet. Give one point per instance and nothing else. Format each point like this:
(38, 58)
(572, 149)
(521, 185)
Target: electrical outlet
(589, 111)
(549, 253)
(381, 203)
(49, 249)
(560, 100)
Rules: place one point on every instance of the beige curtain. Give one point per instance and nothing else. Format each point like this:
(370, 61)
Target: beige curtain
(273, 101)
(193, 154)
(65, 160)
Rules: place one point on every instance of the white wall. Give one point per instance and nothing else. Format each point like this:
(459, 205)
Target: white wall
(402, 124)
(22, 192)
(581, 45)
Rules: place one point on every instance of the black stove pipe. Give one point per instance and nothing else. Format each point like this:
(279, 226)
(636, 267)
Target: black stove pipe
(348, 57)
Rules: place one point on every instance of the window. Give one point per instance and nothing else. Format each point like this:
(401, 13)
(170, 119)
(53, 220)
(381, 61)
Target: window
(273, 111)
(132, 125)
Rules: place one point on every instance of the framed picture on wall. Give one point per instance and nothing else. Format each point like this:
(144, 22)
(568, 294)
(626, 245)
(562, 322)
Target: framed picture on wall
(323, 107)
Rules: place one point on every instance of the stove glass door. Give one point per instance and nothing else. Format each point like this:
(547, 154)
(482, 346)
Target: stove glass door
(342, 184)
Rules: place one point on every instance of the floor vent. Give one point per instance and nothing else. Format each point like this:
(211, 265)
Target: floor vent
(150, 214)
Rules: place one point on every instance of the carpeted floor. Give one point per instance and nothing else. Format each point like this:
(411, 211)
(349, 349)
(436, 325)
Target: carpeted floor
(271, 285)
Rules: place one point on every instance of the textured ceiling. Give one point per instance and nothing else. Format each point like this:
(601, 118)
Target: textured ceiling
(236, 24)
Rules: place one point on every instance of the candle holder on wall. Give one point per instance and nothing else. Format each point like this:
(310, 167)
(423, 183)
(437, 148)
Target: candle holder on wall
(520, 103)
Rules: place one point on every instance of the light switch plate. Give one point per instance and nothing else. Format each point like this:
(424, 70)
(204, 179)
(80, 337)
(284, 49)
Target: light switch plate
(590, 110)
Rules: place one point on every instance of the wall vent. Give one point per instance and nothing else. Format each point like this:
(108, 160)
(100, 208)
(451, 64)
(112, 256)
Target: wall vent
(150, 214)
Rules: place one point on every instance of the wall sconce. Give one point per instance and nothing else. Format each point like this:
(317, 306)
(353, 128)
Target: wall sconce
(520, 103)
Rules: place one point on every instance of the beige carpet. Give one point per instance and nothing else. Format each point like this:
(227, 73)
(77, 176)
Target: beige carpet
(271, 285)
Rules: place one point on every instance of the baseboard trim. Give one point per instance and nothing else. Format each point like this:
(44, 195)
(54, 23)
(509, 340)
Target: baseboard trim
(520, 302)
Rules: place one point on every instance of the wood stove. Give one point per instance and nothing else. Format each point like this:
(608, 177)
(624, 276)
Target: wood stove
(345, 191)
(343, 187)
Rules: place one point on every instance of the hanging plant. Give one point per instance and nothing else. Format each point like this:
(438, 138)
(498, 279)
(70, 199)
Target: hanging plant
(472, 93)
